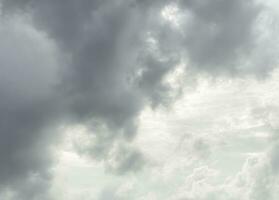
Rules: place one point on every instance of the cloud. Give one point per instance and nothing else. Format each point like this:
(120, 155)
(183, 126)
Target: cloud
(219, 31)
(126, 159)
(98, 64)
(98, 44)
(226, 37)
(27, 74)
(253, 182)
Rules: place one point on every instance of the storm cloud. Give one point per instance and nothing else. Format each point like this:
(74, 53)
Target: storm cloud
(99, 64)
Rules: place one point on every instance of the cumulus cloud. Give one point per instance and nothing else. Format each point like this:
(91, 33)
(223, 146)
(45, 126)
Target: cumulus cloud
(100, 44)
(99, 63)
(255, 181)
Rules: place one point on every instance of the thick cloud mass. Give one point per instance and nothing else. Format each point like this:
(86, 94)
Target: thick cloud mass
(27, 74)
(107, 60)
(100, 43)
(220, 31)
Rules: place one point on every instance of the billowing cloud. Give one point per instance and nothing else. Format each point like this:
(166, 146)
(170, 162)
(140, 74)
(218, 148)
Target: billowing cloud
(100, 44)
(99, 63)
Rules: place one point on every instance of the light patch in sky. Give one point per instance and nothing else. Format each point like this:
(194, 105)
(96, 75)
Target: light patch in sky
(195, 148)
(171, 14)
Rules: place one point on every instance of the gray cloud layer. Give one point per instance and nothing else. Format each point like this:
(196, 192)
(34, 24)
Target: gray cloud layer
(220, 32)
(110, 69)
(26, 105)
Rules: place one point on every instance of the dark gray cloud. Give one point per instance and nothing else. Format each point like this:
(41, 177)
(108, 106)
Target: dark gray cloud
(100, 43)
(219, 33)
(223, 37)
(220, 30)
(27, 73)
(110, 70)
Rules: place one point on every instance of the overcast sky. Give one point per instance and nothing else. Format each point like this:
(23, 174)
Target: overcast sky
(139, 100)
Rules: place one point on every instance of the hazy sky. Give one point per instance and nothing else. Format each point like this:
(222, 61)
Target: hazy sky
(139, 100)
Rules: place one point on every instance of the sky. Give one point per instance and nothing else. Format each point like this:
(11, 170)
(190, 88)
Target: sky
(139, 100)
